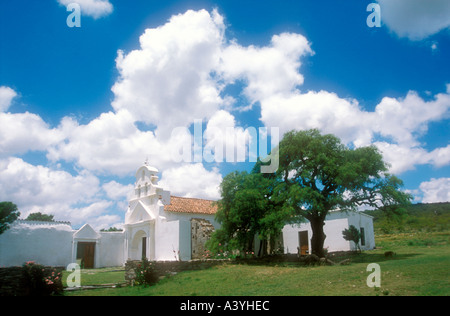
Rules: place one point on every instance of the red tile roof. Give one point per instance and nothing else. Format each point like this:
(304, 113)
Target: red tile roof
(190, 205)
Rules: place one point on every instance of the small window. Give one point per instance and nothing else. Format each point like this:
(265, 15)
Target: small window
(363, 237)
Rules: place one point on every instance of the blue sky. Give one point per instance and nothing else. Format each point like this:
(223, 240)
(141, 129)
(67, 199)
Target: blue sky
(82, 108)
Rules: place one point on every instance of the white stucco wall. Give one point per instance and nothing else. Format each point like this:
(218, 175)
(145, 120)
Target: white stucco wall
(290, 238)
(185, 245)
(44, 243)
(167, 236)
(333, 230)
(111, 249)
(366, 221)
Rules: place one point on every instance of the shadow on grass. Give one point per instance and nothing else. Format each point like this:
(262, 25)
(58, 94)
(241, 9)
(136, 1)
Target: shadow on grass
(368, 257)
(336, 258)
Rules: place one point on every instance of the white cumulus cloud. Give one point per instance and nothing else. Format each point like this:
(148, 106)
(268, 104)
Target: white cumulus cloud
(268, 70)
(169, 81)
(6, 96)
(92, 8)
(436, 190)
(192, 180)
(42, 189)
(24, 132)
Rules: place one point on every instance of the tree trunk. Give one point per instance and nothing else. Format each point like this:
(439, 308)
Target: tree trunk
(318, 237)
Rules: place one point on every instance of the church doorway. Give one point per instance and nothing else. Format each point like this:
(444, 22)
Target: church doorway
(86, 254)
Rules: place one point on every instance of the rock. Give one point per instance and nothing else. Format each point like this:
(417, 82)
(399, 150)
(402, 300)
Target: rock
(310, 259)
(345, 262)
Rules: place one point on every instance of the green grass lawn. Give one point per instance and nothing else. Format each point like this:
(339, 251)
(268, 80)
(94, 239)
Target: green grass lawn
(420, 267)
(98, 276)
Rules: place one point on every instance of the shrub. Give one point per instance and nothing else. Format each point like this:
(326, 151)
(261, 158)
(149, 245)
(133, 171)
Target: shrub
(38, 280)
(145, 273)
(352, 234)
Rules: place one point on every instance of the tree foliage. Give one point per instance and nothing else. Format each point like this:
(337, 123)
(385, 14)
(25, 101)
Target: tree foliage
(246, 210)
(111, 229)
(433, 217)
(8, 214)
(40, 217)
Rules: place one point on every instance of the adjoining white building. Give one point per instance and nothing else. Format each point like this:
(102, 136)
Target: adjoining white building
(297, 238)
(157, 226)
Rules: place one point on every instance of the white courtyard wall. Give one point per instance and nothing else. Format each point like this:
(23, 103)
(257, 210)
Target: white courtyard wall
(44, 243)
(111, 249)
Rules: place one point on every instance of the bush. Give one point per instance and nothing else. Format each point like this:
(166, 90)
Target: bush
(38, 280)
(352, 234)
(145, 273)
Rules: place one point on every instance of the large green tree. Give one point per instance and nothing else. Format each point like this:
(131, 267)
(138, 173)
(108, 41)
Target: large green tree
(8, 214)
(319, 174)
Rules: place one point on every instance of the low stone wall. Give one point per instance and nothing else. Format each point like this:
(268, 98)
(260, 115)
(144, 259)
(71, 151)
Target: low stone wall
(269, 259)
(163, 268)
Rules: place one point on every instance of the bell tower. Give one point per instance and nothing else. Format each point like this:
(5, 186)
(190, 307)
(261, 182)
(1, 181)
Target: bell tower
(146, 181)
(144, 212)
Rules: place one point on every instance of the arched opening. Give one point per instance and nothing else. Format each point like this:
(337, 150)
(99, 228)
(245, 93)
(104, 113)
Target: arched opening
(139, 246)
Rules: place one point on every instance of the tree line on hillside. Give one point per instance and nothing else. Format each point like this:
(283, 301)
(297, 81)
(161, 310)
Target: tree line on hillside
(412, 218)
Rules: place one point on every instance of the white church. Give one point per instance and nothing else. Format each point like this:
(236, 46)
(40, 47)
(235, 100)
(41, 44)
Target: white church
(157, 226)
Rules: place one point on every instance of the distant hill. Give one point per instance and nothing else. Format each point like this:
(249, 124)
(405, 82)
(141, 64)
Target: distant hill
(416, 217)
